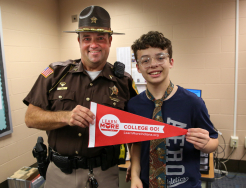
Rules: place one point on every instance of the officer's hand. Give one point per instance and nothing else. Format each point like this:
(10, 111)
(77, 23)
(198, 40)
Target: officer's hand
(198, 137)
(128, 173)
(80, 116)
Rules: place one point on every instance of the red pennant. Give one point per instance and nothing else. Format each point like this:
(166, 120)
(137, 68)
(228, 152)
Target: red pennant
(113, 126)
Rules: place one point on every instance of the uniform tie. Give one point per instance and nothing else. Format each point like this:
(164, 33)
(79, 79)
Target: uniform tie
(157, 152)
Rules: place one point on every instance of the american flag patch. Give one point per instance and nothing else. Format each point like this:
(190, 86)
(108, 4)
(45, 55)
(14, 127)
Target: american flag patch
(46, 72)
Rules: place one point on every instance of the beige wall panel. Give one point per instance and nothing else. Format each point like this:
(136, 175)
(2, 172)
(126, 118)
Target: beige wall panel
(48, 41)
(221, 121)
(9, 21)
(242, 43)
(198, 45)
(242, 76)
(227, 91)
(171, 16)
(227, 106)
(12, 151)
(242, 8)
(228, 10)
(178, 76)
(241, 107)
(143, 20)
(13, 53)
(45, 55)
(213, 106)
(149, 6)
(68, 41)
(228, 44)
(184, 31)
(21, 85)
(3, 155)
(117, 22)
(227, 76)
(241, 92)
(242, 27)
(25, 69)
(18, 117)
(216, 91)
(20, 38)
(220, 28)
(242, 60)
(189, 61)
(219, 60)
(16, 101)
(241, 122)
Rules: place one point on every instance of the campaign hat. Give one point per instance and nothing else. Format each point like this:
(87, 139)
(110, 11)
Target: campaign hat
(94, 19)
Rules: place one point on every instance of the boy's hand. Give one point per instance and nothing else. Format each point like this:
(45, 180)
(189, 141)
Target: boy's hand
(198, 137)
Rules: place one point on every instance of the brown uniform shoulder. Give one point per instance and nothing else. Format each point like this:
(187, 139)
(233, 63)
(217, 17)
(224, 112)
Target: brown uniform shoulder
(64, 63)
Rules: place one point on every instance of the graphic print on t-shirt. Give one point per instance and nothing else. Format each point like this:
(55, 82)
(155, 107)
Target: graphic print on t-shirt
(175, 155)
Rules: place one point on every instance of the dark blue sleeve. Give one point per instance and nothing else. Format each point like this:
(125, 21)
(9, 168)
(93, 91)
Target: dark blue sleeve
(203, 120)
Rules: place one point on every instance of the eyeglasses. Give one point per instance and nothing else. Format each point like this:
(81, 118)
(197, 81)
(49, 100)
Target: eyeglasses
(146, 61)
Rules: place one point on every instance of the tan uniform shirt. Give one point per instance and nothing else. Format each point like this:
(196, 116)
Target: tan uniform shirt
(70, 85)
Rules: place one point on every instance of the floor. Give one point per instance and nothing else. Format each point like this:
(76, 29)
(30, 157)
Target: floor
(233, 180)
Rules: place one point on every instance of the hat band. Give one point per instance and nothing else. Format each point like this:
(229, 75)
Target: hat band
(96, 30)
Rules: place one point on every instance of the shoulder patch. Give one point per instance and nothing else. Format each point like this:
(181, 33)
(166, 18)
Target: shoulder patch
(134, 86)
(47, 71)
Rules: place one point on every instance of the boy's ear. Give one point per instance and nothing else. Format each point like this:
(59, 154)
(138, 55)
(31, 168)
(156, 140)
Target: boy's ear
(171, 63)
(137, 65)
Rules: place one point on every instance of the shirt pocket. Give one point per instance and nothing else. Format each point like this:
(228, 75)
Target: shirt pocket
(115, 102)
(62, 100)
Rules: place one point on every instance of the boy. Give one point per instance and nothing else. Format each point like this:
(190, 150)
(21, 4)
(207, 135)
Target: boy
(175, 106)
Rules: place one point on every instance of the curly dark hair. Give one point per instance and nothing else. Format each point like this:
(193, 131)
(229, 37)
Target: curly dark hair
(153, 39)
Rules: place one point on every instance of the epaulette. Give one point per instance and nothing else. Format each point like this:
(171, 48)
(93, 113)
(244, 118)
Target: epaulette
(64, 63)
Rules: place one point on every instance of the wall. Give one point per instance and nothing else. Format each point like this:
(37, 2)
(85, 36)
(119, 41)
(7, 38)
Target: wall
(203, 36)
(31, 42)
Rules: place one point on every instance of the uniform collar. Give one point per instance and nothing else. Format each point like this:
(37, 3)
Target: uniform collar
(107, 71)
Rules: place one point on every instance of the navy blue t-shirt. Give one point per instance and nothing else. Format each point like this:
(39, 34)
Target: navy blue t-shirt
(185, 110)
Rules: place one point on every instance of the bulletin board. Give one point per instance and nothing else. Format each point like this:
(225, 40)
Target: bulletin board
(5, 115)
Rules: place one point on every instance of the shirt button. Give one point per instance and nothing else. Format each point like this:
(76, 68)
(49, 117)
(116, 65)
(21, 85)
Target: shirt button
(80, 134)
(88, 99)
(91, 84)
(60, 97)
(77, 152)
(114, 103)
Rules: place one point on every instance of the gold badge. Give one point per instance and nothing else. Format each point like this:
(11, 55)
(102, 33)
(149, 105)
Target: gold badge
(114, 90)
(93, 19)
(62, 88)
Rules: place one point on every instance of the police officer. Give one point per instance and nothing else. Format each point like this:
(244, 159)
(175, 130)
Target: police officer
(60, 99)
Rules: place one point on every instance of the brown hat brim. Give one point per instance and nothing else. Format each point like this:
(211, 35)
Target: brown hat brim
(94, 31)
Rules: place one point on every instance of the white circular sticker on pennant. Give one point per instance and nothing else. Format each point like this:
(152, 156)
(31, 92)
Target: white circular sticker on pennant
(109, 125)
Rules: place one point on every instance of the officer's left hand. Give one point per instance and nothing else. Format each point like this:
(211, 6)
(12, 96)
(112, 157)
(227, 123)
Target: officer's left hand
(198, 137)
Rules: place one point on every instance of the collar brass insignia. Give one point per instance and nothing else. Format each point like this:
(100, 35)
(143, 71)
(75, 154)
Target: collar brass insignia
(115, 90)
(111, 76)
(63, 83)
(93, 19)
